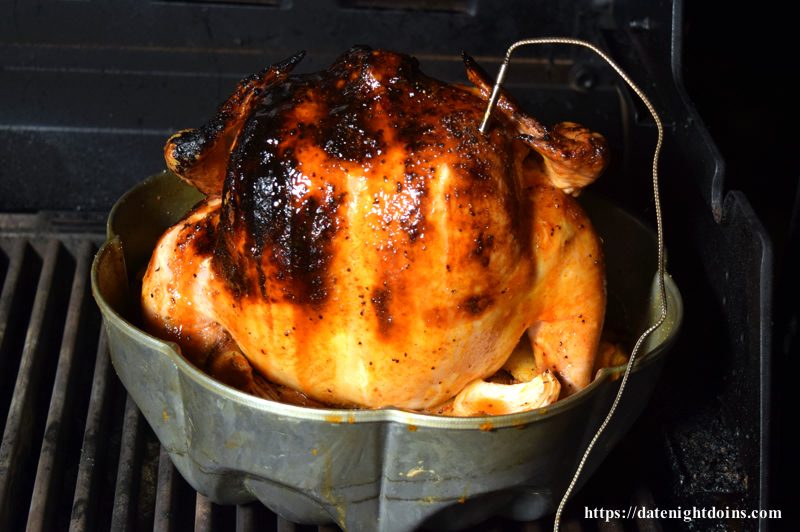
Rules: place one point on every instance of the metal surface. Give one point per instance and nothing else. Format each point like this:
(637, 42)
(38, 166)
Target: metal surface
(18, 428)
(134, 72)
(357, 468)
(42, 333)
(47, 470)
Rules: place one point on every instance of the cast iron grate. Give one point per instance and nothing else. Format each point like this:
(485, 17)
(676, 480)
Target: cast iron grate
(76, 454)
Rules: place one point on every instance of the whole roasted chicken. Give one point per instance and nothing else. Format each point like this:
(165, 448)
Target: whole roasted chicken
(362, 244)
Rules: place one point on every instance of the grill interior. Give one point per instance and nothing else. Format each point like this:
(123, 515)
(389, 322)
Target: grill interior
(97, 89)
(76, 453)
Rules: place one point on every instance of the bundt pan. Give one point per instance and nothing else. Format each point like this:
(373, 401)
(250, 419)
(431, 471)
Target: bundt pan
(387, 470)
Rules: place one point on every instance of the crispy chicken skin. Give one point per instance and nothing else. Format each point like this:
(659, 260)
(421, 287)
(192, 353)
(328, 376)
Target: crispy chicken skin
(364, 244)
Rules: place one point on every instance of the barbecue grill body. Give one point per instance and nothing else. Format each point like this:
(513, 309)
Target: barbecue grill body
(93, 90)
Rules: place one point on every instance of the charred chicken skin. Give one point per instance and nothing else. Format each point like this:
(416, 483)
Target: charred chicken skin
(363, 244)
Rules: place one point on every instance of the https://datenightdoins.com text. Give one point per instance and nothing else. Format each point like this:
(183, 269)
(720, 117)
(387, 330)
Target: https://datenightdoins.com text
(687, 515)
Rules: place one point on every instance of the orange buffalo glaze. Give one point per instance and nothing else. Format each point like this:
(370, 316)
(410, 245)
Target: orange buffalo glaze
(367, 246)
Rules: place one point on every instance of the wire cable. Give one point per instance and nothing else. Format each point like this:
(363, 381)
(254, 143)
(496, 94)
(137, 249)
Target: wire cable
(659, 227)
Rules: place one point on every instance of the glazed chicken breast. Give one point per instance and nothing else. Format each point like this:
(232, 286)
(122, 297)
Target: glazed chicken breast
(363, 244)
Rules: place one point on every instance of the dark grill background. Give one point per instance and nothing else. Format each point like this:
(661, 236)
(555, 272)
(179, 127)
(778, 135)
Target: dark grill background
(89, 92)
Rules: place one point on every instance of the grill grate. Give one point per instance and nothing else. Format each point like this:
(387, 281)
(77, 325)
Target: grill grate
(76, 454)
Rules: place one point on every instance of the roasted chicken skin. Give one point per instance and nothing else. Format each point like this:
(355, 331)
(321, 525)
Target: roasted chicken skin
(364, 244)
